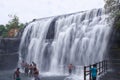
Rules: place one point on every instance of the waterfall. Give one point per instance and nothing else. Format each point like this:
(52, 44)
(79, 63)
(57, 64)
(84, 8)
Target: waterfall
(53, 43)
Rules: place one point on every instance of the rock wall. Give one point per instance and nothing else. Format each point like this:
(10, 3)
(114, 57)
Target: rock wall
(9, 53)
(114, 46)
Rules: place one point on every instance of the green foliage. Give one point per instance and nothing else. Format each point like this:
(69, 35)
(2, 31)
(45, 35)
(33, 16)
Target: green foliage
(117, 21)
(12, 24)
(110, 3)
(2, 28)
(5, 34)
(113, 6)
(21, 26)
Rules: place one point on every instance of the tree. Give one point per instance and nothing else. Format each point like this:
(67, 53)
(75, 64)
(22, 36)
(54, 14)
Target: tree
(2, 29)
(11, 26)
(111, 3)
(14, 22)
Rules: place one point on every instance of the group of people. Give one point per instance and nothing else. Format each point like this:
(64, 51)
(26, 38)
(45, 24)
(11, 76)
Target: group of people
(29, 70)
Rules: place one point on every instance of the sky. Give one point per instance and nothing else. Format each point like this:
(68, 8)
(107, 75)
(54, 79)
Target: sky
(27, 10)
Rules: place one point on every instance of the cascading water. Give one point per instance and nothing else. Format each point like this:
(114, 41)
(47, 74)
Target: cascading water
(53, 43)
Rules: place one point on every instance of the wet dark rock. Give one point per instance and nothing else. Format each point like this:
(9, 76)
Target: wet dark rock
(9, 45)
(8, 61)
(114, 47)
(9, 53)
(51, 30)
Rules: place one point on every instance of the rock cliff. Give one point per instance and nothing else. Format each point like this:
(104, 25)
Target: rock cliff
(9, 53)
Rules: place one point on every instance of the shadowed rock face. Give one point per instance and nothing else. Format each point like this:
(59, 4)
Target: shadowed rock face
(9, 53)
(51, 30)
(114, 45)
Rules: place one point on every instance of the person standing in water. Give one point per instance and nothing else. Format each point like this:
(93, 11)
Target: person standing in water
(23, 65)
(36, 74)
(34, 64)
(94, 72)
(31, 70)
(17, 74)
(26, 69)
(70, 68)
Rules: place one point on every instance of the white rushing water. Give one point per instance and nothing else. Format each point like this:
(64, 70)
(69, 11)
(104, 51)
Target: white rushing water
(79, 39)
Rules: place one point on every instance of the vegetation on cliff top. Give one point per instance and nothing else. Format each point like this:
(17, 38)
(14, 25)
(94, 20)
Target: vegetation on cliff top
(11, 28)
(117, 21)
(114, 6)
